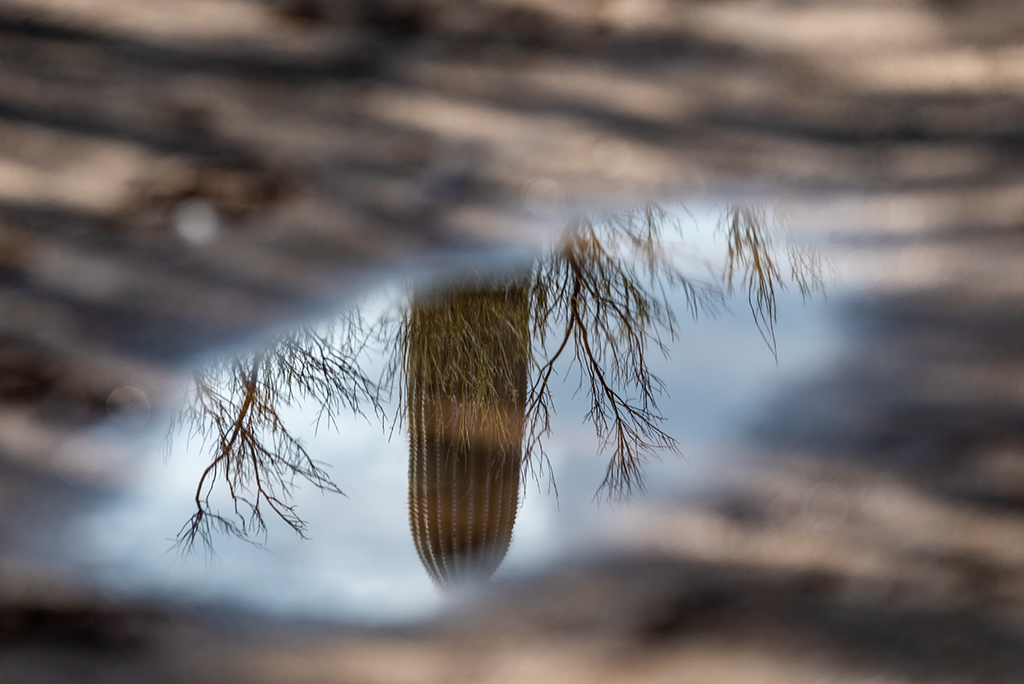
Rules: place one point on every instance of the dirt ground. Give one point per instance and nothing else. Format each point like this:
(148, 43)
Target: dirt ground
(177, 175)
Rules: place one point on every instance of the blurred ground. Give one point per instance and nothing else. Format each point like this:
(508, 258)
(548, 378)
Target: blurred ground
(176, 175)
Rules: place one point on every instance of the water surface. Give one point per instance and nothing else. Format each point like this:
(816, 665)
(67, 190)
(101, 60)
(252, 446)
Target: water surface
(492, 353)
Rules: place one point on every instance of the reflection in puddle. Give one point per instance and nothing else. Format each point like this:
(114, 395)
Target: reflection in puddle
(473, 370)
(466, 365)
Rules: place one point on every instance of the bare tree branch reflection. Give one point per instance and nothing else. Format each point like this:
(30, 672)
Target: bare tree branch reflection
(604, 294)
(591, 311)
(753, 264)
(234, 408)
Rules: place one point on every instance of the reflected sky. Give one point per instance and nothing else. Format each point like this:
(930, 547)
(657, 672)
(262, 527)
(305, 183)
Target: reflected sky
(724, 293)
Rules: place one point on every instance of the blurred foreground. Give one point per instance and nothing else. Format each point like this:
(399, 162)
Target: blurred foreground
(177, 176)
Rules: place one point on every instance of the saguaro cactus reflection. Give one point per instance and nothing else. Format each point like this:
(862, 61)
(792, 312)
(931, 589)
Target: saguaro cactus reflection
(466, 360)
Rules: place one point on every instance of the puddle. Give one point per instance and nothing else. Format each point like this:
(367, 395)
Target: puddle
(450, 432)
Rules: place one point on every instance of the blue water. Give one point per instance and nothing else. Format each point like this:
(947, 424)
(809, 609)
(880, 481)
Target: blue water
(360, 564)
